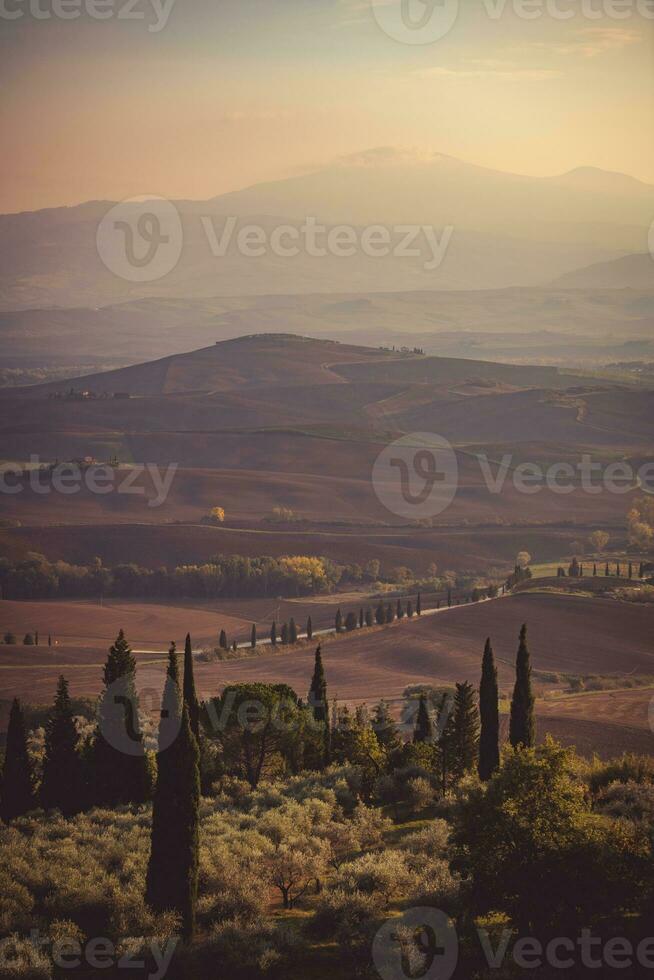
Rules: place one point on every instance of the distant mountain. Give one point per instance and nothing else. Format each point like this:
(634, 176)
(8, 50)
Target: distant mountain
(627, 272)
(503, 230)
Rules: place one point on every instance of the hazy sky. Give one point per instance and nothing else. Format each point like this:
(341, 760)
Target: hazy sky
(232, 92)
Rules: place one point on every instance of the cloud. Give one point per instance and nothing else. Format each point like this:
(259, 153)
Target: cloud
(502, 71)
(592, 42)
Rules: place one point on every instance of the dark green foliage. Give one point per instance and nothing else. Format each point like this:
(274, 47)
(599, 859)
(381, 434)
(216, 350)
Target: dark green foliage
(284, 634)
(17, 780)
(466, 729)
(292, 631)
(522, 725)
(222, 640)
(384, 727)
(409, 609)
(350, 622)
(273, 633)
(172, 875)
(419, 605)
(62, 782)
(120, 767)
(449, 598)
(28, 640)
(389, 613)
(309, 629)
(380, 614)
(190, 697)
(423, 730)
(369, 617)
(361, 619)
(399, 611)
(253, 636)
(489, 739)
(319, 707)
(338, 622)
(254, 725)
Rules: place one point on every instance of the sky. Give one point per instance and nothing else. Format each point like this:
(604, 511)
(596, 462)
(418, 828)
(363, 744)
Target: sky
(207, 96)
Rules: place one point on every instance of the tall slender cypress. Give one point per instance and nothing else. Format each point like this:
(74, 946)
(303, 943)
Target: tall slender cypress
(273, 634)
(120, 767)
(172, 875)
(309, 629)
(17, 777)
(423, 730)
(489, 738)
(419, 605)
(62, 780)
(522, 725)
(253, 636)
(190, 697)
(466, 729)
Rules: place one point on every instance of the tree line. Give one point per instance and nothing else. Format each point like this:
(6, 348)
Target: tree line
(249, 731)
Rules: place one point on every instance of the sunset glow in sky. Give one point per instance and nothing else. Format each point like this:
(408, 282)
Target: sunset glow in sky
(233, 92)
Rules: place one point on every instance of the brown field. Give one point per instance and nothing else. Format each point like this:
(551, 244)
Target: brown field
(441, 648)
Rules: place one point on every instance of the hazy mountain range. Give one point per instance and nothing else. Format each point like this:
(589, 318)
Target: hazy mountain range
(505, 230)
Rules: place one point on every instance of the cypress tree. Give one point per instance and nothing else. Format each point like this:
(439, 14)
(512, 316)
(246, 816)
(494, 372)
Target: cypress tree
(338, 622)
(489, 738)
(466, 728)
(172, 874)
(449, 598)
(399, 612)
(309, 629)
(361, 619)
(284, 636)
(423, 730)
(17, 778)
(319, 707)
(594, 569)
(222, 640)
(292, 631)
(369, 619)
(120, 766)
(409, 609)
(389, 613)
(606, 570)
(380, 614)
(641, 570)
(253, 636)
(190, 697)
(62, 781)
(273, 634)
(419, 605)
(522, 725)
